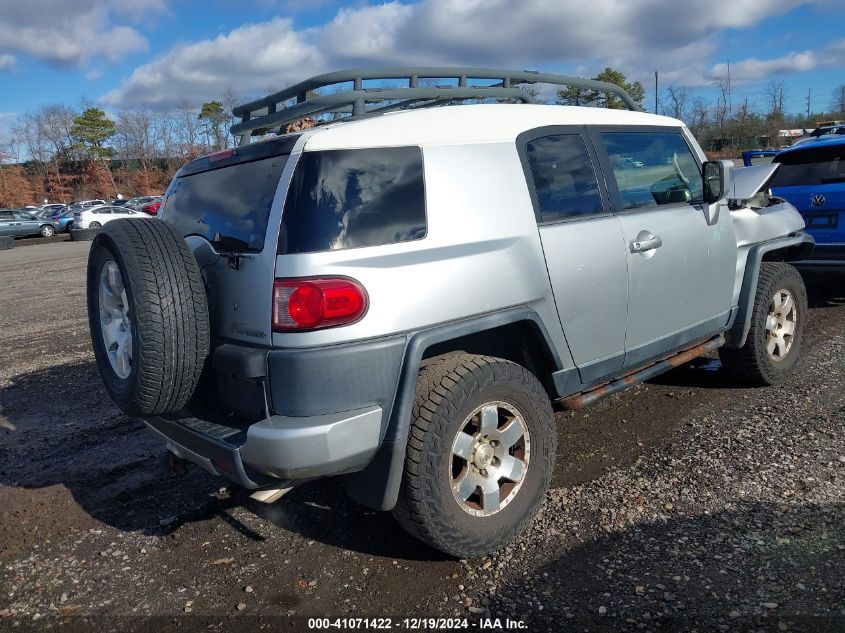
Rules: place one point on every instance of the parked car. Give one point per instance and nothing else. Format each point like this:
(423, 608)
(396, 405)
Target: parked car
(22, 223)
(50, 209)
(820, 133)
(138, 202)
(812, 177)
(86, 204)
(152, 206)
(398, 298)
(64, 217)
(96, 217)
(758, 156)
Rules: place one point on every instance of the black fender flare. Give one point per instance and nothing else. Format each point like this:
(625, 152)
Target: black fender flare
(377, 486)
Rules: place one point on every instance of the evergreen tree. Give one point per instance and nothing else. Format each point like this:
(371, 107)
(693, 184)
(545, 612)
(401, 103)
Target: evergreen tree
(214, 117)
(90, 131)
(572, 95)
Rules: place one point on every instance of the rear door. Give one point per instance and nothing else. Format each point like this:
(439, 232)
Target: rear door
(680, 270)
(222, 207)
(813, 180)
(26, 224)
(583, 246)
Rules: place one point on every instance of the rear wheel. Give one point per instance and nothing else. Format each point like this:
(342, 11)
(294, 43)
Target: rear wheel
(94, 225)
(778, 318)
(148, 316)
(480, 454)
(47, 231)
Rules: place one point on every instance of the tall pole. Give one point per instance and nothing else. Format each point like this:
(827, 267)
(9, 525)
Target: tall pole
(730, 108)
(655, 92)
(808, 103)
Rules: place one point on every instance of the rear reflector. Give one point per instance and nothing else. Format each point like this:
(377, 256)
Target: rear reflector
(311, 304)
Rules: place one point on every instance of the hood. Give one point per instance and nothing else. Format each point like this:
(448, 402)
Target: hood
(747, 181)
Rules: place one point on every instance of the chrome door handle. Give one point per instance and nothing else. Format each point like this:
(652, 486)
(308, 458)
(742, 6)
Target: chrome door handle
(640, 246)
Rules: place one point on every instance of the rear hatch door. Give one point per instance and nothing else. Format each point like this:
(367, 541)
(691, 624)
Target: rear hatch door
(813, 181)
(222, 204)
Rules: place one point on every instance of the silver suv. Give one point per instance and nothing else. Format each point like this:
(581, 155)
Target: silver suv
(398, 296)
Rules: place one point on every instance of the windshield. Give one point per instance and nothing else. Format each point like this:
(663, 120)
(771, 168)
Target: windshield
(229, 206)
(816, 166)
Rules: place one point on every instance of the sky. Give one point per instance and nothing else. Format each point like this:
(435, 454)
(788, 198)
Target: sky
(164, 53)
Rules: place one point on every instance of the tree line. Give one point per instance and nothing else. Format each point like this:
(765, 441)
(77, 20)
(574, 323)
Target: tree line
(63, 153)
(722, 126)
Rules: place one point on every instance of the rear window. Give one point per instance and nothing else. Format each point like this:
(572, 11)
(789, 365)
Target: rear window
(341, 199)
(816, 166)
(229, 206)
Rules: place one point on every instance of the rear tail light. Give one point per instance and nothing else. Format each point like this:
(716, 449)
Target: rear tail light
(311, 304)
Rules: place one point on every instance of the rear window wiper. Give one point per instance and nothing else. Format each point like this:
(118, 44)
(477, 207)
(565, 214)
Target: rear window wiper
(231, 247)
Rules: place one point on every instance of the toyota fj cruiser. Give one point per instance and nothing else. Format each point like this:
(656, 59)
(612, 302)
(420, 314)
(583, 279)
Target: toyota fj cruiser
(399, 295)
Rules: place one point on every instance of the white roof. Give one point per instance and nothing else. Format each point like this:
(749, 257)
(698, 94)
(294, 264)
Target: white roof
(477, 123)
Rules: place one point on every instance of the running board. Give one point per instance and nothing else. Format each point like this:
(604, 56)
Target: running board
(580, 400)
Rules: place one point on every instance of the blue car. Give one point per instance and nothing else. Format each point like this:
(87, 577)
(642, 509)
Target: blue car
(811, 176)
(758, 156)
(65, 219)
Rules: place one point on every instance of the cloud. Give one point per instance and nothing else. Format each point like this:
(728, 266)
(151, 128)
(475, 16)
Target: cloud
(7, 62)
(66, 33)
(253, 57)
(634, 36)
(752, 69)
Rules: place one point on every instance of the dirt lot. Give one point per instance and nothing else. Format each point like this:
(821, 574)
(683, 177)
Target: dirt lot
(683, 504)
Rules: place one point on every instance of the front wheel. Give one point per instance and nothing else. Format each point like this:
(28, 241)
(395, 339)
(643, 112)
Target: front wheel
(47, 231)
(94, 225)
(778, 318)
(480, 454)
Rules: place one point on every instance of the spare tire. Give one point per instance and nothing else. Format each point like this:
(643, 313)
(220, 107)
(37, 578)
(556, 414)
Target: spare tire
(148, 315)
(84, 235)
(6, 243)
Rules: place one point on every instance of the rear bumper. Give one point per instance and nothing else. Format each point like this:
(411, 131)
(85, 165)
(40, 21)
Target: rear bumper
(278, 447)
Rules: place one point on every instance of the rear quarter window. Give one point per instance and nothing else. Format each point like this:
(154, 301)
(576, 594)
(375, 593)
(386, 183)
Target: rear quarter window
(340, 199)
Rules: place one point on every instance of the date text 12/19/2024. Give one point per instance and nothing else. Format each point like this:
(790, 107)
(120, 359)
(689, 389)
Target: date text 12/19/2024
(415, 624)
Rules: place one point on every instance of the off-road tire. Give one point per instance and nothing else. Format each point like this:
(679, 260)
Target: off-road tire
(168, 313)
(47, 231)
(751, 364)
(6, 243)
(83, 235)
(448, 390)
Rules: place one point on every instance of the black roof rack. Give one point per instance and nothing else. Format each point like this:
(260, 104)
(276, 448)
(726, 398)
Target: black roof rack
(266, 114)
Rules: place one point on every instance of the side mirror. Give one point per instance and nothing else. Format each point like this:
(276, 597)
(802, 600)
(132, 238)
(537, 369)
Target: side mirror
(714, 179)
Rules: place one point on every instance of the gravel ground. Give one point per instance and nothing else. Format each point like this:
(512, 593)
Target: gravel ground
(682, 504)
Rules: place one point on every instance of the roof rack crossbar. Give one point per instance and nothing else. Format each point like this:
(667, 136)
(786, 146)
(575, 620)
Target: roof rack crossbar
(269, 112)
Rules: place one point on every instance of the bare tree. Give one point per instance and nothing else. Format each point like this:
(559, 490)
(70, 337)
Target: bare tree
(775, 94)
(699, 115)
(675, 102)
(837, 102)
(189, 130)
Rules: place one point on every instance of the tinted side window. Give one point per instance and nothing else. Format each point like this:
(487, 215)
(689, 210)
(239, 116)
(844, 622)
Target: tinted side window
(352, 198)
(564, 178)
(816, 166)
(653, 168)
